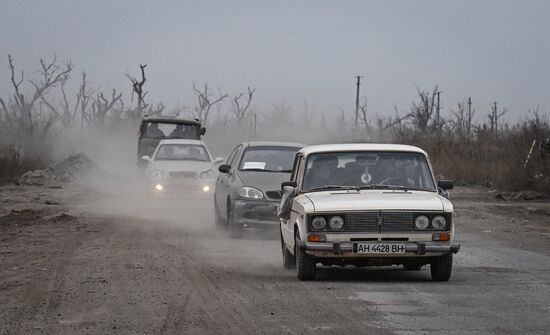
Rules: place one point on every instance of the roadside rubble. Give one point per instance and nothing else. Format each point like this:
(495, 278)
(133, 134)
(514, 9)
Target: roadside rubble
(73, 169)
(522, 195)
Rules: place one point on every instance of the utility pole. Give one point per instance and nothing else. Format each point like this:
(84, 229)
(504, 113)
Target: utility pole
(437, 115)
(357, 101)
(495, 116)
(469, 115)
(255, 125)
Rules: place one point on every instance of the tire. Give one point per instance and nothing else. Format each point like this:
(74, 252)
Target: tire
(289, 261)
(235, 230)
(220, 223)
(306, 267)
(441, 267)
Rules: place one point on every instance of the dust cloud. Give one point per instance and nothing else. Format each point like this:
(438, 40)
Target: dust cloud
(121, 197)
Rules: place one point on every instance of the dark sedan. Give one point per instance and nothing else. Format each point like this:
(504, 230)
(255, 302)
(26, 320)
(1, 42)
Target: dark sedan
(248, 188)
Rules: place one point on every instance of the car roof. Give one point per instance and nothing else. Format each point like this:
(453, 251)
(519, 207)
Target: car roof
(360, 147)
(161, 119)
(181, 141)
(273, 144)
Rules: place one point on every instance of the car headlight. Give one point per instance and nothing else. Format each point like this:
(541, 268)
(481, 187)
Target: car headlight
(336, 222)
(209, 174)
(318, 223)
(439, 222)
(158, 174)
(421, 222)
(250, 193)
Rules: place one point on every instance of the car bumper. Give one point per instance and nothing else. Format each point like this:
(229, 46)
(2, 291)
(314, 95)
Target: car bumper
(345, 249)
(256, 214)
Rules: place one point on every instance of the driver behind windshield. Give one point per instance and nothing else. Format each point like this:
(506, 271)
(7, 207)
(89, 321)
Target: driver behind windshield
(322, 171)
(154, 131)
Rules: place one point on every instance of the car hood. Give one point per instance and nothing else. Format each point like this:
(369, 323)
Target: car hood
(173, 166)
(265, 181)
(328, 201)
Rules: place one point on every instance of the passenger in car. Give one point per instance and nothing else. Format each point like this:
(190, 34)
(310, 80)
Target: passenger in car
(323, 171)
(154, 131)
(178, 132)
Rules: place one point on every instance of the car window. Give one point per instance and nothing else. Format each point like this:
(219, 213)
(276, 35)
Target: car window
(363, 169)
(295, 168)
(300, 171)
(269, 159)
(171, 130)
(232, 155)
(185, 152)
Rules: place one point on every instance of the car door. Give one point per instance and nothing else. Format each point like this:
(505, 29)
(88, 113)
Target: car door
(287, 226)
(222, 185)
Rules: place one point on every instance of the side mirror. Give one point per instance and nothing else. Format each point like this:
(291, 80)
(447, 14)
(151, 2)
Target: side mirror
(146, 158)
(218, 160)
(224, 168)
(288, 183)
(203, 130)
(446, 184)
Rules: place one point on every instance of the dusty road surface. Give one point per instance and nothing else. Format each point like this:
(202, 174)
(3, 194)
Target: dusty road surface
(82, 261)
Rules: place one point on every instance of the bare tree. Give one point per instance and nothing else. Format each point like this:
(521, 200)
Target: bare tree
(462, 121)
(69, 113)
(205, 102)
(363, 116)
(494, 116)
(138, 90)
(20, 112)
(103, 107)
(241, 105)
(422, 112)
(281, 112)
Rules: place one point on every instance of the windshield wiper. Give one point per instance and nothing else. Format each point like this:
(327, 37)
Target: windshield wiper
(382, 187)
(333, 187)
(264, 170)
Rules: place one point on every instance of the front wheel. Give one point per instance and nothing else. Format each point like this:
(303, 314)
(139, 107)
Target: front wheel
(306, 267)
(289, 261)
(441, 267)
(217, 217)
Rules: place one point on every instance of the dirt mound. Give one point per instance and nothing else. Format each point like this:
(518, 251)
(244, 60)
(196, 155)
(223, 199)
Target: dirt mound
(73, 169)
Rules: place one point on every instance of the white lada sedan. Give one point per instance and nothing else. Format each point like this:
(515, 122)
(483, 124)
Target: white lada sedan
(365, 205)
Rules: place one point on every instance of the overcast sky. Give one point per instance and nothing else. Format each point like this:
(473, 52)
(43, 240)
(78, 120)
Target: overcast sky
(295, 51)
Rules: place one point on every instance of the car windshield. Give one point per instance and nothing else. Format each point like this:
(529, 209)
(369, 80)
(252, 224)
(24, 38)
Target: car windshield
(367, 170)
(171, 130)
(268, 159)
(182, 152)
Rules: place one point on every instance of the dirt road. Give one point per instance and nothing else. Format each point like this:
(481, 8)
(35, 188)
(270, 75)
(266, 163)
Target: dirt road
(77, 261)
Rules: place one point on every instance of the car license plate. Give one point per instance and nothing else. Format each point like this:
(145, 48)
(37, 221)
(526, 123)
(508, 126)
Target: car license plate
(378, 248)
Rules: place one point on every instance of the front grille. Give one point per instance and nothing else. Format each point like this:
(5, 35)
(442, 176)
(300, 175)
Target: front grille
(273, 195)
(374, 222)
(183, 174)
(364, 222)
(397, 221)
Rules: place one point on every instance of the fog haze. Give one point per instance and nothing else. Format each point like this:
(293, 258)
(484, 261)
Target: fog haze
(306, 52)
